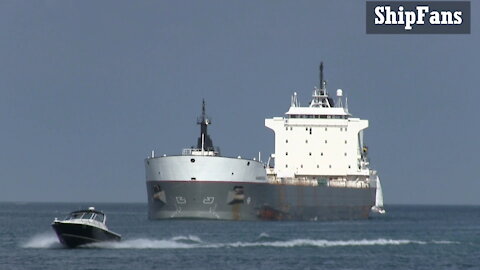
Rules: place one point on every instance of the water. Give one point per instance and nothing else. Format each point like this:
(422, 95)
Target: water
(408, 237)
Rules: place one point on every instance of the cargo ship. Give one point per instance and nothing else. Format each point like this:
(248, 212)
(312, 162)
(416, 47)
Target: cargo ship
(320, 170)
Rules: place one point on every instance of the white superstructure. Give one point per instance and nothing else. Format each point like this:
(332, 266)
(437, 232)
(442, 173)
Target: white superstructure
(319, 140)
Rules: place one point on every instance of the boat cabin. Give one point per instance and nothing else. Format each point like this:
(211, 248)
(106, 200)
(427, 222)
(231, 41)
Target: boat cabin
(88, 215)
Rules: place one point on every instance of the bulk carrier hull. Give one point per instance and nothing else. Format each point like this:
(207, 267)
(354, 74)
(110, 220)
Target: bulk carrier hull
(228, 189)
(193, 200)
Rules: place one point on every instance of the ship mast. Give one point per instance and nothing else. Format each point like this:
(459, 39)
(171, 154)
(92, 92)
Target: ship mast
(204, 142)
(322, 82)
(320, 96)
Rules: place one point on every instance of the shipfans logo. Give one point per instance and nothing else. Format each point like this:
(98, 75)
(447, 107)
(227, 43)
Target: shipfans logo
(418, 17)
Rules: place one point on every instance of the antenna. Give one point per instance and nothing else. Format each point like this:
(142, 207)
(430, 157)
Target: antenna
(203, 109)
(321, 75)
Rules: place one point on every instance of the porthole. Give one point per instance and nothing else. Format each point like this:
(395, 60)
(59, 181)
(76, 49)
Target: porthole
(310, 153)
(286, 154)
(192, 160)
(248, 163)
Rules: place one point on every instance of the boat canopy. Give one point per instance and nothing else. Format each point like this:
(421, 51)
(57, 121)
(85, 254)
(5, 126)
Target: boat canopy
(90, 214)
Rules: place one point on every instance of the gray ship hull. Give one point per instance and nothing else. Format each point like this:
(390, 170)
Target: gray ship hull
(256, 201)
(213, 187)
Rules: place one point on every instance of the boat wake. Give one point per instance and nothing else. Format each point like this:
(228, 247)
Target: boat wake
(44, 240)
(194, 242)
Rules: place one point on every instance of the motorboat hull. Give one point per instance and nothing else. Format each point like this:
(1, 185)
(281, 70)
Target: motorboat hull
(76, 234)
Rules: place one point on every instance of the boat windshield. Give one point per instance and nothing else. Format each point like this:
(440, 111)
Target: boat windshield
(75, 215)
(99, 217)
(88, 215)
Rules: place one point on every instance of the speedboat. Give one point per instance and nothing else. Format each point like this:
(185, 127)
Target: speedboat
(83, 227)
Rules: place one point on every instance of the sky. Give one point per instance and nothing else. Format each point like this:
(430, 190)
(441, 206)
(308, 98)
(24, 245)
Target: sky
(89, 88)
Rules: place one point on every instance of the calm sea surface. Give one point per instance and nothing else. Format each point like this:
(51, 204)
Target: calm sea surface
(408, 237)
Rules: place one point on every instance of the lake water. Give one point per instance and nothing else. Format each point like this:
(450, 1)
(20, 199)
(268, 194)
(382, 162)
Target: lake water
(408, 237)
